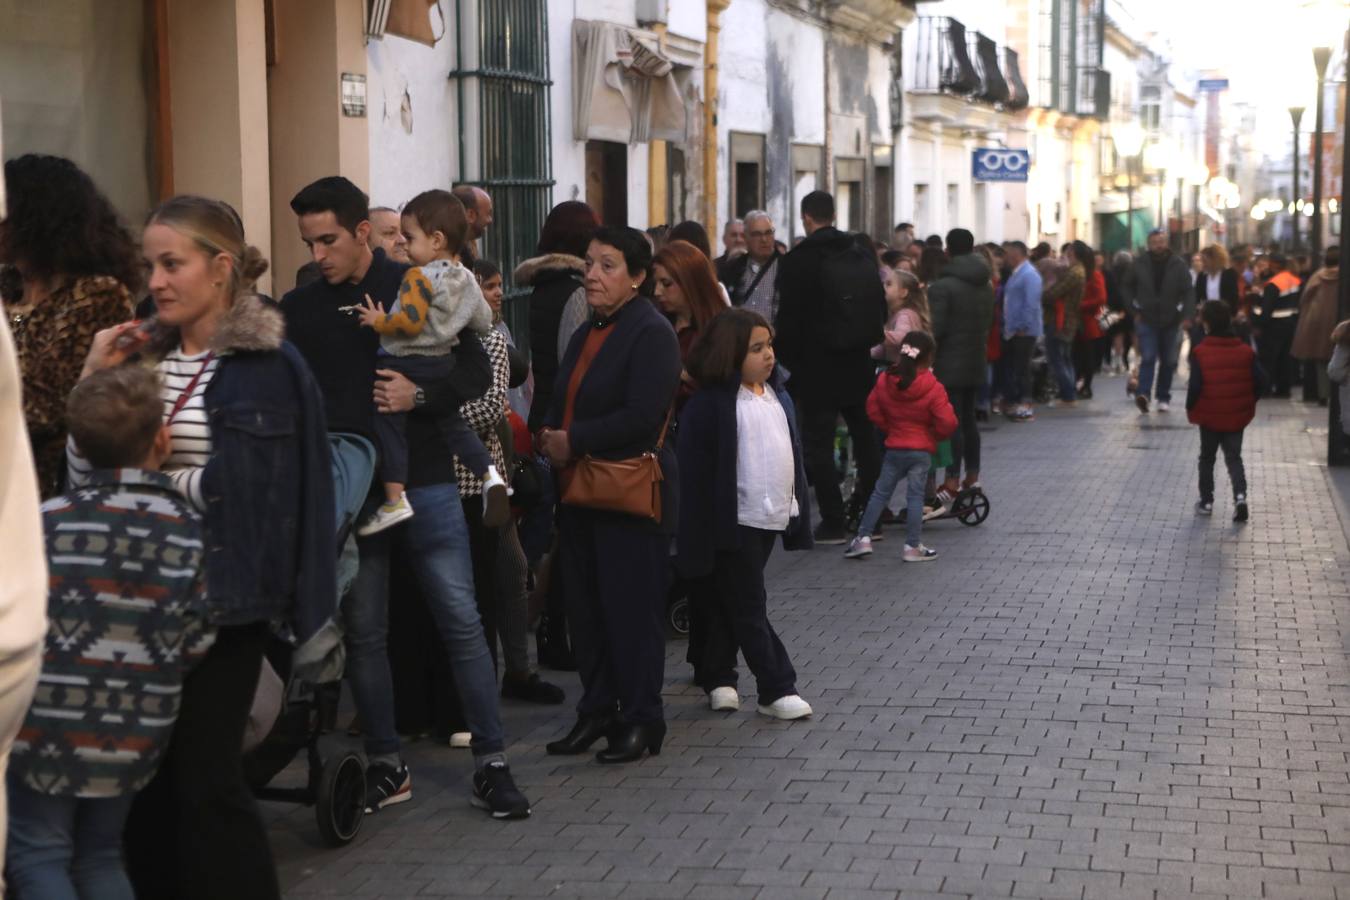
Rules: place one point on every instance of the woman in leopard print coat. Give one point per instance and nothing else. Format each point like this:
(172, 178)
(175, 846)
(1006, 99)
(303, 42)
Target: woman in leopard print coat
(71, 268)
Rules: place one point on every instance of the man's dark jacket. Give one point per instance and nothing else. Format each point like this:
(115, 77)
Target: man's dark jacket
(819, 376)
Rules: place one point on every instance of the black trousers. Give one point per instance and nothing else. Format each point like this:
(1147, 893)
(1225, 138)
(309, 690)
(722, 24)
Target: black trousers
(614, 577)
(734, 612)
(1087, 358)
(966, 438)
(194, 832)
(1017, 365)
(818, 423)
(1277, 337)
(1231, 444)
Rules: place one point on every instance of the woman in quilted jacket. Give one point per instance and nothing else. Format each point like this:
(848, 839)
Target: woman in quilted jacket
(910, 407)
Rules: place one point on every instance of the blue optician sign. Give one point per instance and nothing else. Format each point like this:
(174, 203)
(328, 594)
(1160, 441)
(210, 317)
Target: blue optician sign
(1000, 164)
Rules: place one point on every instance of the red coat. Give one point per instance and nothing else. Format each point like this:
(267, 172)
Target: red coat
(1094, 298)
(1227, 400)
(915, 418)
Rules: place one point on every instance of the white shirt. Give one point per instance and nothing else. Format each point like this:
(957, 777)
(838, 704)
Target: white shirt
(1212, 286)
(764, 466)
(190, 430)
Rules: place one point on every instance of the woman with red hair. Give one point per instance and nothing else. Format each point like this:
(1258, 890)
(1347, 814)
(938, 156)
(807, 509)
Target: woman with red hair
(686, 289)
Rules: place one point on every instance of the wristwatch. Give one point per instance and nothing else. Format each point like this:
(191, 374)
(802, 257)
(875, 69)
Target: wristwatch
(419, 397)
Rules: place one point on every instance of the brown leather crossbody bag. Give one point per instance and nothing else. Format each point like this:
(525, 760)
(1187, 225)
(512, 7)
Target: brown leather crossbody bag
(631, 486)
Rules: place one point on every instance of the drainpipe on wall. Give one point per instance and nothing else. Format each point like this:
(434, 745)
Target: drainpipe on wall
(657, 162)
(829, 133)
(715, 10)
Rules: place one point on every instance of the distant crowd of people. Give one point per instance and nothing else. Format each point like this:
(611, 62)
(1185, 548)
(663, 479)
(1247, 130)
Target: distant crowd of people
(372, 479)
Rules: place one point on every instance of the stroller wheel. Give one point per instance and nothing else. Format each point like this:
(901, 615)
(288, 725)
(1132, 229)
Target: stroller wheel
(341, 802)
(971, 508)
(677, 615)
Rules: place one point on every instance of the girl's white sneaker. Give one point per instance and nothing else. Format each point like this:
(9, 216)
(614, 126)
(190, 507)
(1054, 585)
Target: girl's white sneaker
(724, 699)
(789, 707)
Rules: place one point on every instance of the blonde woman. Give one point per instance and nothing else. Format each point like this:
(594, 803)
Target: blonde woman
(250, 453)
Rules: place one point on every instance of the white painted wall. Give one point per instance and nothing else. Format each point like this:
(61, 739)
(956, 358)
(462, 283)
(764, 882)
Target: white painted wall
(403, 163)
(688, 18)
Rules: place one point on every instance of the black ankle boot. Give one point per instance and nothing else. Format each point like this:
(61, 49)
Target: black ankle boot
(587, 731)
(627, 742)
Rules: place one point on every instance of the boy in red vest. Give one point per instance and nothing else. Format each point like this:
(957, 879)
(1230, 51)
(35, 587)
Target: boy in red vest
(1221, 398)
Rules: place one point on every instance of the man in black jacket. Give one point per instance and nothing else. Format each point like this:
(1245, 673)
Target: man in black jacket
(831, 311)
(334, 222)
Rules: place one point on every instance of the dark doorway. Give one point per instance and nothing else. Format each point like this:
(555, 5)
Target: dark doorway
(607, 181)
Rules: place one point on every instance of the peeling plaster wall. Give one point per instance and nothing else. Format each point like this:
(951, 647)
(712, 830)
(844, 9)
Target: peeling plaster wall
(403, 161)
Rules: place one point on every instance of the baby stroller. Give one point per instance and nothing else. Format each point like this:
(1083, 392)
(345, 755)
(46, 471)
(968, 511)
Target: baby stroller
(336, 783)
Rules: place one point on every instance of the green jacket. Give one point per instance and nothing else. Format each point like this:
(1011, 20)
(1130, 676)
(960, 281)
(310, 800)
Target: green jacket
(961, 307)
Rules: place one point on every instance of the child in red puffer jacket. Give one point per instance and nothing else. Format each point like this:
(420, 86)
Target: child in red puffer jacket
(911, 408)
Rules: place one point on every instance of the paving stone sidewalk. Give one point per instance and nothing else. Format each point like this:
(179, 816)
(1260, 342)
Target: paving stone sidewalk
(1095, 694)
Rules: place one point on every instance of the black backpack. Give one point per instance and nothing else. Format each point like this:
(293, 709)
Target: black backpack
(853, 302)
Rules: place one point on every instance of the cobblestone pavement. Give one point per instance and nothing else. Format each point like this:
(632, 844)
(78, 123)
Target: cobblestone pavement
(1095, 694)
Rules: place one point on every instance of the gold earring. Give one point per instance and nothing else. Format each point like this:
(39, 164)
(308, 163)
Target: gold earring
(635, 287)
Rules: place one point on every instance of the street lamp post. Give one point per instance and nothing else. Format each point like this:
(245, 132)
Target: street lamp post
(1321, 56)
(1129, 140)
(1296, 115)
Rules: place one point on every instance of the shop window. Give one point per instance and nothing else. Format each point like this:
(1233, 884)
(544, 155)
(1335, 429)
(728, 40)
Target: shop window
(808, 174)
(607, 181)
(77, 80)
(848, 194)
(677, 191)
(747, 173)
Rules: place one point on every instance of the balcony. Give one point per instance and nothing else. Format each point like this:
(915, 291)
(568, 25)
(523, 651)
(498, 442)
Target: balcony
(960, 77)
(1094, 93)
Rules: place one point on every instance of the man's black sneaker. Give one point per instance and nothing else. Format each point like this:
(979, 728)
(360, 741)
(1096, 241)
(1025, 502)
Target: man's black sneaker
(1240, 508)
(495, 791)
(828, 533)
(533, 689)
(386, 785)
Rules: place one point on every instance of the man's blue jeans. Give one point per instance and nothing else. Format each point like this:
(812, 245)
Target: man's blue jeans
(437, 543)
(913, 466)
(1059, 354)
(66, 848)
(1158, 348)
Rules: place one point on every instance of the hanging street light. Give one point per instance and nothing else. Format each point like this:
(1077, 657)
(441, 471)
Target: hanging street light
(1128, 138)
(1295, 116)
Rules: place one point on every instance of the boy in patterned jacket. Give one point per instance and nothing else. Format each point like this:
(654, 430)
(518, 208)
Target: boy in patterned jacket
(126, 621)
(437, 300)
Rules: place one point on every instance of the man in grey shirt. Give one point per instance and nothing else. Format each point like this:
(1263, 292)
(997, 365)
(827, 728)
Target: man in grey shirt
(752, 279)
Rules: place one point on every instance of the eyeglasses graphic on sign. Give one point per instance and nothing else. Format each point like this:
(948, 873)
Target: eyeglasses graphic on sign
(1000, 164)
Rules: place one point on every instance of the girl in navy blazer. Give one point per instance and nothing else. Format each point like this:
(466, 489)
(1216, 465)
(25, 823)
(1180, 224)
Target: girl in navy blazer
(743, 485)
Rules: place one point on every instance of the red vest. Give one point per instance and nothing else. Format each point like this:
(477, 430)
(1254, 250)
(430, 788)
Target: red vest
(1227, 389)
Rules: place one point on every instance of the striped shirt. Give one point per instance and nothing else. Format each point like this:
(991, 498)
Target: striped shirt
(189, 429)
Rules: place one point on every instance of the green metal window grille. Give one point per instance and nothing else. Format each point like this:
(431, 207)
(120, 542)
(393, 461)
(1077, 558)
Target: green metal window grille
(503, 81)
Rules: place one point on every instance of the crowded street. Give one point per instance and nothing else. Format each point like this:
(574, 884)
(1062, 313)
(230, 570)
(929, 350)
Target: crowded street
(1096, 695)
(675, 449)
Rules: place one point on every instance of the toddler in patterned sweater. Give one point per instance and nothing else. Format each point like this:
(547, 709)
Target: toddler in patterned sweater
(437, 300)
(127, 620)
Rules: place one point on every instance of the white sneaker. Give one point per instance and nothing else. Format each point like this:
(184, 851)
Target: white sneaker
(859, 547)
(919, 553)
(724, 699)
(387, 516)
(789, 707)
(461, 740)
(1163, 406)
(496, 500)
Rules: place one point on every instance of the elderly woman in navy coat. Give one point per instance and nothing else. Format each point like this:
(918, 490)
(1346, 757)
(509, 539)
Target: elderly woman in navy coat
(611, 400)
(742, 487)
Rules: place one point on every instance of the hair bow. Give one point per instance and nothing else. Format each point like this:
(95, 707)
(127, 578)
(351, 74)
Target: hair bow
(910, 350)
